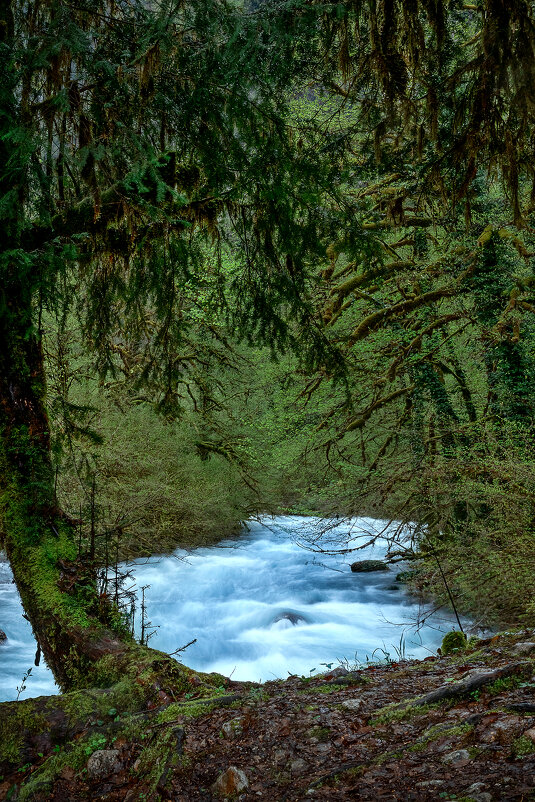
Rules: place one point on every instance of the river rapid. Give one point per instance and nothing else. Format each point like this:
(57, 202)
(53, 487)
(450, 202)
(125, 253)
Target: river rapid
(260, 607)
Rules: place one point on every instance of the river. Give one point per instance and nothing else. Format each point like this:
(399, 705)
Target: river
(260, 607)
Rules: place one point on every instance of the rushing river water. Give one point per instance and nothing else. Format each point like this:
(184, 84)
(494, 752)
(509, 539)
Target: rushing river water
(260, 607)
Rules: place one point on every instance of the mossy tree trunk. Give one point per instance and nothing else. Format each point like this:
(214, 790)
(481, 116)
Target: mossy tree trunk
(82, 638)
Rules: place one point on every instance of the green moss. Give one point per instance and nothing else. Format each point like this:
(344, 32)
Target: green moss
(385, 757)
(322, 689)
(502, 685)
(320, 733)
(74, 755)
(22, 721)
(438, 731)
(393, 712)
(453, 642)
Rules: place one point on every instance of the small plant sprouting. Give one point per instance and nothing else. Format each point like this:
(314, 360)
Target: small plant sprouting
(20, 689)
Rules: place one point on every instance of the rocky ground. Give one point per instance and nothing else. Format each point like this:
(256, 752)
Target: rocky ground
(460, 727)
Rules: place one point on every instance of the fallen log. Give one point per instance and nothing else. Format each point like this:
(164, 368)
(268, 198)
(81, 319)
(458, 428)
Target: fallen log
(469, 684)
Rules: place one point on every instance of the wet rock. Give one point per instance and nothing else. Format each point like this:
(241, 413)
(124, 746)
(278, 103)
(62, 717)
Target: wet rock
(365, 566)
(232, 781)
(102, 763)
(3, 636)
(352, 704)
(525, 647)
(457, 758)
(293, 618)
(233, 728)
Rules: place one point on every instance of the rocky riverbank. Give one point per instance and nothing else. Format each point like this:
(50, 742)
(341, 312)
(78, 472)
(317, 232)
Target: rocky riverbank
(460, 726)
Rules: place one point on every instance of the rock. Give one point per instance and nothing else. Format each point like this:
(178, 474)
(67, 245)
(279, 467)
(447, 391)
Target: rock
(525, 647)
(503, 731)
(458, 758)
(280, 756)
(322, 748)
(430, 784)
(352, 704)
(340, 671)
(530, 734)
(102, 763)
(233, 728)
(232, 781)
(477, 793)
(365, 566)
(291, 617)
(3, 636)
(298, 766)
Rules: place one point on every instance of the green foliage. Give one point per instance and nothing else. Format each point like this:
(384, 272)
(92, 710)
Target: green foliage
(523, 746)
(94, 743)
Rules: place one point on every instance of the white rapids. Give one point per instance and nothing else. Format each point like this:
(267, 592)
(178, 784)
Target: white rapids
(260, 607)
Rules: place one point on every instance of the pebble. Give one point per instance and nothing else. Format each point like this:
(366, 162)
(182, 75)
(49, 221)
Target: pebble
(233, 781)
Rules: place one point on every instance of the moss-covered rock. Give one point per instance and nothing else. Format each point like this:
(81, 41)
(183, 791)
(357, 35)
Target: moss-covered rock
(453, 641)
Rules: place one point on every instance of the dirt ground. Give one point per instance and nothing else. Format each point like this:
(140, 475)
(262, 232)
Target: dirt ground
(340, 736)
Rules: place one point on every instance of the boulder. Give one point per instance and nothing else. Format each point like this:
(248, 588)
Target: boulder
(3, 636)
(232, 781)
(365, 566)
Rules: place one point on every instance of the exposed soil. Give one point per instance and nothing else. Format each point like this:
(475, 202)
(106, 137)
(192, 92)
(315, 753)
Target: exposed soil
(323, 738)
